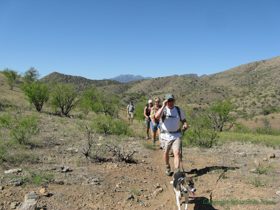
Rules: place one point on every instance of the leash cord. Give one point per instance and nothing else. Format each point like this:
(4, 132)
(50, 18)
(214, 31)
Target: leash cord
(181, 153)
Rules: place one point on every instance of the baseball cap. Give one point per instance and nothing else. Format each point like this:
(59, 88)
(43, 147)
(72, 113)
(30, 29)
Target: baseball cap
(168, 96)
(150, 101)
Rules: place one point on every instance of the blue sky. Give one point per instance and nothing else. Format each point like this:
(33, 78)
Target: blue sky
(156, 38)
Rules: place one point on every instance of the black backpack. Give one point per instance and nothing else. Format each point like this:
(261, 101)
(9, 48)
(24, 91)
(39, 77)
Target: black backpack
(164, 113)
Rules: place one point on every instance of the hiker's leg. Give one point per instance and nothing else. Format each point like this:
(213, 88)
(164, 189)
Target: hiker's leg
(166, 157)
(176, 158)
(132, 117)
(128, 117)
(166, 146)
(154, 130)
(159, 134)
(176, 151)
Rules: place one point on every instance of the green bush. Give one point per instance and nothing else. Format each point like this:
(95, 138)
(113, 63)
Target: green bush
(107, 125)
(37, 94)
(21, 127)
(64, 97)
(139, 108)
(12, 76)
(3, 152)
(239, 127)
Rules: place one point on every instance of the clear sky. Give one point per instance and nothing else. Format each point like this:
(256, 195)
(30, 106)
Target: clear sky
(100, 39)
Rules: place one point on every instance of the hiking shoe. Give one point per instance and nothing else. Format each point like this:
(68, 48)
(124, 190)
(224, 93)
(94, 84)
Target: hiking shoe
(167, 170)
(176, 170)
(147, 136)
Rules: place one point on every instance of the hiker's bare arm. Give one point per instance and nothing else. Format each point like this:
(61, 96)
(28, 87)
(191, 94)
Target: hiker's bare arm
(185, 124)
(145, 113)
(159, 112)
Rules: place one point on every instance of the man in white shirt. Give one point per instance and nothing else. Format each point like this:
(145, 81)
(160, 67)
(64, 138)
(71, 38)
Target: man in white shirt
(130, 112)
(170, 131)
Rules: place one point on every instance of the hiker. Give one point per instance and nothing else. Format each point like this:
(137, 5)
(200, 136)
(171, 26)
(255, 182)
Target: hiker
(147, 112)
(171, 116)
(155, 122)
(130, 112)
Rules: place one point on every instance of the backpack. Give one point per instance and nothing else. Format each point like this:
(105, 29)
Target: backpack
(163, 118)
(130, 108)
(164, 113)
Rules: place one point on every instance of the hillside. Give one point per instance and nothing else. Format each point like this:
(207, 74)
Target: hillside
(82, 82)
(253, 86)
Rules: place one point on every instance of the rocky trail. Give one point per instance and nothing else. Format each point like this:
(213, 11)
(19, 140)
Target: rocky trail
(226, 177)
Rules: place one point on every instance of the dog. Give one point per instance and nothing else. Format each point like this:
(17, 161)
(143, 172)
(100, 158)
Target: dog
(182, 187)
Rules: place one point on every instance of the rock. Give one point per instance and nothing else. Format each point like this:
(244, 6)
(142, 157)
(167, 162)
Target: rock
(130, 197)
(16, 182)
(30, 204)
(265, 159)
(14, 205)
(253, 170)
(65, 169)
(241, 165)
(157, 191)
(33, 196)
(72, 150)
(44, 192)
(257, 163)
(278, 193)
(241, 154)
(271, 155)
(95, 182)
(157, 185)
(1, 188)
(13, 171)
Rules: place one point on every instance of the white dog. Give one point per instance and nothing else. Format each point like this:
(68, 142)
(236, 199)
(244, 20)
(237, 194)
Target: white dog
(182, 187)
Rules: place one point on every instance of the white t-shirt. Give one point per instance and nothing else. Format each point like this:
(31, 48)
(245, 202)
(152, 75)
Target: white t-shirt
(171, 123)
(130, 107)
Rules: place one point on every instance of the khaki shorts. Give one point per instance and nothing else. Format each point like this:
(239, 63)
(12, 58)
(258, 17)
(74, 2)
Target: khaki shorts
(166, 145)
(130, 115)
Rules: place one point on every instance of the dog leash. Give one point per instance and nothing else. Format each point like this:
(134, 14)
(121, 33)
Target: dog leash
(181, 152)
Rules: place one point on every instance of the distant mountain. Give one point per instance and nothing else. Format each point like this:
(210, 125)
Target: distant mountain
(128, 78)
(190, 75)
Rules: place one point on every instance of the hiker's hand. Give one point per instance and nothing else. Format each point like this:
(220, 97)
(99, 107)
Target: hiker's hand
(185, 126)
(164, 103)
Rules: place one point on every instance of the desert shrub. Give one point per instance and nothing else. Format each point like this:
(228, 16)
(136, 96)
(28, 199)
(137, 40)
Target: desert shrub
(107, 103)
(21, 127)
(64, 97)
(3, 152)
(31, 75)
(90, 98)
(241, 128)
(219, 114)
(120, 127)
(37, 93)
(139, 108)
(107, 125)
(37, 178)
(269, 109)
(12, 76)
(201, 131)
(21, 157)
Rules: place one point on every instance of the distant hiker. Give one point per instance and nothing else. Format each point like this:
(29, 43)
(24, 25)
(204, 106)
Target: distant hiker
(171, 116)
(147, 112)
(154, 121)
(130, 112)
